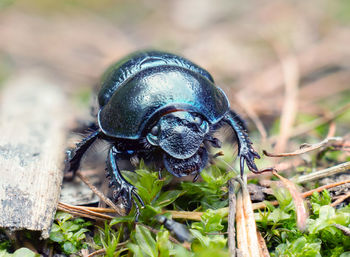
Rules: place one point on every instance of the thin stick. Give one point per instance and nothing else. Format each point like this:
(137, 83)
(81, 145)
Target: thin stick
(289, 111)
(321, 188)
(101, 251)
(250, 223)
(344, 229)
(343, 167)
(231, 219)
(264, 252)
(242, 242)
(106, 200)
(100, 209)
(307, 148)
(196, 215)
(340, 199)
(331, 130)
(78, 214)
(81, 211)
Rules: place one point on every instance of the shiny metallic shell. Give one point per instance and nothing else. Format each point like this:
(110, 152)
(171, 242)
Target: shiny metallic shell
(142, 87)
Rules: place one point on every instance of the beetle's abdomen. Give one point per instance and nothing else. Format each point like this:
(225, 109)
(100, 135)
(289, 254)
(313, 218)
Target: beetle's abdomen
(155, 91)
(125, 69)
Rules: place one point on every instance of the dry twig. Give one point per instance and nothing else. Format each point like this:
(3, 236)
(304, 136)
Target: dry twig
(106, 200)
(340, 199)
(345, 230)
(231, 219)
(340, 168)
(305, 148)
(289, 111)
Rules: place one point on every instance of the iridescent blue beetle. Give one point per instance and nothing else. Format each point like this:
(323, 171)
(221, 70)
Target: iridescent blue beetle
(164, 108)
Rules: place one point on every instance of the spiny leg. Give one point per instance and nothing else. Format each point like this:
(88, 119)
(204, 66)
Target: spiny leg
(245, 149)
(122, 188)
(74, 156)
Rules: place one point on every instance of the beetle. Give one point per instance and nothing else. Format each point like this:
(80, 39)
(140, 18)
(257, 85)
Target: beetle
(164, 108)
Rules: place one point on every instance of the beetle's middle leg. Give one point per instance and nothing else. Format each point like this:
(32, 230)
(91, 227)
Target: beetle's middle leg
(122, 188)
(74, 156)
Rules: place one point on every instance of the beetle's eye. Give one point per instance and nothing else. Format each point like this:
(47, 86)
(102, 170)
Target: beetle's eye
(197, 120)
(154, 130)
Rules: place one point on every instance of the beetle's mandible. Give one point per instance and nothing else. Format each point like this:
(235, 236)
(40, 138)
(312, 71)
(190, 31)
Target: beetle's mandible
(165, 108)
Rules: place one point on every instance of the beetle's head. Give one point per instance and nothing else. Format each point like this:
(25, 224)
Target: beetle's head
(180, 135)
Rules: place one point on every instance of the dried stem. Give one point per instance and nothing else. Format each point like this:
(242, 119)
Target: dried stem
(106, 200)
(82, 211)
(231, 219)
(345, 230)
(307, 148)
(289, 111)
(340, 199)
(343, 167)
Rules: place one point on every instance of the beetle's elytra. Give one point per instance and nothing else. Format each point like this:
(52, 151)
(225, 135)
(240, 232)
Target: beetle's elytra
(165, 108)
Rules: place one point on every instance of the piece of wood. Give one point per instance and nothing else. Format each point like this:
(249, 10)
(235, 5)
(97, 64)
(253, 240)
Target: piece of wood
(33, 115)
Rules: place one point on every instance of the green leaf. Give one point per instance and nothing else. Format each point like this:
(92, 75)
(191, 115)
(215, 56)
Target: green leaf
(163, 243)
(168, 197)
(216, 178)
(69, 226)
(79, 235)
(69, 248)
(136, 249)
(326, 212)
(204, 241)
(284, 199)
(55, 228)
(300, 247)
(24, 252)
(4, 253)
(278, 215)
(62, 217)
(148, 212)
(122, 219)
(147, 183)
(208, 242)
(145, 240)
(211, 221)
(180, 251)
(112, 246)
(57, 236)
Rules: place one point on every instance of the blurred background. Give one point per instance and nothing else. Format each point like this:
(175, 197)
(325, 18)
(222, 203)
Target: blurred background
(282, 63)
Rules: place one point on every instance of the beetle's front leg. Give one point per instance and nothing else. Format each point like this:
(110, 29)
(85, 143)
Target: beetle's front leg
(245, 149)
(122, 188)
(74, 156)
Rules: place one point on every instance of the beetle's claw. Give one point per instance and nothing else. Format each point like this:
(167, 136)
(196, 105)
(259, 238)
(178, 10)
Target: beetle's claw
(248, 156)
(127, 192)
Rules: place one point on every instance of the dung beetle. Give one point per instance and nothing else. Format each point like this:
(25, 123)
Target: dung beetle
(163, 108)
